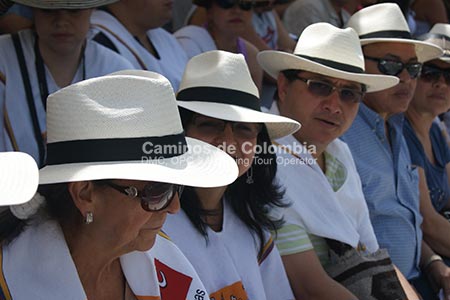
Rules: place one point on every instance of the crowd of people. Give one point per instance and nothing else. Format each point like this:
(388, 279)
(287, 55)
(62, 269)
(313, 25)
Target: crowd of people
(249, 149)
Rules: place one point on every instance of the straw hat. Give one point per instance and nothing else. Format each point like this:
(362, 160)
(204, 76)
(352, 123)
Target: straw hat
(18, 178)
(64, 4)
(218, 84)
(126, 127)
(439, 35)
(325, 49)
(385, 22)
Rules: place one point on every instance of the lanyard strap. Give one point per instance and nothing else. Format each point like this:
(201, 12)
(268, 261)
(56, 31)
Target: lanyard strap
(30, 98)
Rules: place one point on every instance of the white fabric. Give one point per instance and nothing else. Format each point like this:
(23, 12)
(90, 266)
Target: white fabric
(230, 256)
(98, 61)
(266, 27)
(195, 40)
(172, 60)
(341, 216)
(38, 265)
(19, 178)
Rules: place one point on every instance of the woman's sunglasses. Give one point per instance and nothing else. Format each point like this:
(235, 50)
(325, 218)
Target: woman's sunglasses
(395, 67)
(431, 73)
(155, 196)
(211, 127)
(321, 88)
(227, 4)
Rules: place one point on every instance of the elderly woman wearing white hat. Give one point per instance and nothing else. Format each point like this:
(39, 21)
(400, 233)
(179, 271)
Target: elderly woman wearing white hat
(39, 61)
(390, 182)
(225, 230)
(117, 160)
(428, 144)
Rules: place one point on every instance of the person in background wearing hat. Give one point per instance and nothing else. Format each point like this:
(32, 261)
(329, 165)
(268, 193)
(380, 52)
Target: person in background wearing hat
(225, 22)
(428, 145)
(40, 61)
(224, 231)
(133, 29)
(390, 181)
(104, 194)
(321, 85)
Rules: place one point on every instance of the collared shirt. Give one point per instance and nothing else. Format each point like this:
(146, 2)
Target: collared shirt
(302, 13)
(390, 186)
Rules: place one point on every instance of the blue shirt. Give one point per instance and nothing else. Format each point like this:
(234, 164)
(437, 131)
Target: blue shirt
(436, 175)
(390, 185)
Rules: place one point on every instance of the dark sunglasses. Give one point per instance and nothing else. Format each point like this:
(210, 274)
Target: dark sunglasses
(324, 89)
(227, 4)
(210, 127)
(431, 73)
(155, 196)
(395, 67)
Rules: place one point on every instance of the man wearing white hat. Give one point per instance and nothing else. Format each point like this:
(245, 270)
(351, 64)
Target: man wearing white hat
(390, 182)
(317, 170)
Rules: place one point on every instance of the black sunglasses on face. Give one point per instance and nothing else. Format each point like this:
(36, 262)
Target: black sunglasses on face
(210, 127)
(324, 89)
(432, 73)
(395, 67)
(155, 196)
(227, 4)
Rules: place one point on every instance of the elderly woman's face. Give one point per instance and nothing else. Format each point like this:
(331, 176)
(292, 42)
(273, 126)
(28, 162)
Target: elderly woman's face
(238, 139)
(433, 90)
(121, 220)
(62, 31)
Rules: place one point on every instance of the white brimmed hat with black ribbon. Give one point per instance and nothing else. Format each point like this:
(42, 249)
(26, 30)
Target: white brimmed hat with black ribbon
(19, 176)
(64, 4)
(218, 84)
(439, 35)
(327, 50)
(384, 22)
(127, 127)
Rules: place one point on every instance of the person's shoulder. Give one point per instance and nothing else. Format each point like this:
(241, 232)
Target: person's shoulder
(104, 56)
(191, 31)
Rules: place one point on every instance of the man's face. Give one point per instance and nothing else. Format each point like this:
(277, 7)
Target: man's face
(323, 118)
(396, 99)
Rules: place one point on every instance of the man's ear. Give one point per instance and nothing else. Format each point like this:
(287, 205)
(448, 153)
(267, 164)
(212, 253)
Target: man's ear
(282, 86)
(81, 193)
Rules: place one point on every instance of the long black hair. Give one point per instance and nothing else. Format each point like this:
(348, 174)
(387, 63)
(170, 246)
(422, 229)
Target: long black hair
(251, 202)
(58, 206)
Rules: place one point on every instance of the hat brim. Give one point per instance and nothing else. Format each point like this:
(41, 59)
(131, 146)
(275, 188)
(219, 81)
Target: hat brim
(424, 51)
(275, 61)
(64, 4)
(277, 126)
(202, 165)
(19, 178)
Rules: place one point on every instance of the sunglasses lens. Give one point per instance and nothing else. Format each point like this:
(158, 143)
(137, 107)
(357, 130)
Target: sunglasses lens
(226, 4)
(430, 74)
(414, 69)
(246, 130)
(349, 95)
(388, 67)
(318, 88)
(245, 5)
(157, 196)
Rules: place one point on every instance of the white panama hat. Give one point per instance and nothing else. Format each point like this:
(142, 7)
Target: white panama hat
(127, 127)
(439, 35)
(64, 4)
(19, 178)
(218, 84)
(327, 50)
(385, 22)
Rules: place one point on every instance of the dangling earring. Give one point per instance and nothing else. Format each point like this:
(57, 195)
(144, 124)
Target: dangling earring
(89, 218)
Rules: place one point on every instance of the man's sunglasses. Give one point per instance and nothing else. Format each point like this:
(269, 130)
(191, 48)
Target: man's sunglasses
(227, 4)
(155, 196)
(395, 67)
(321, 88)
(431, 73)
